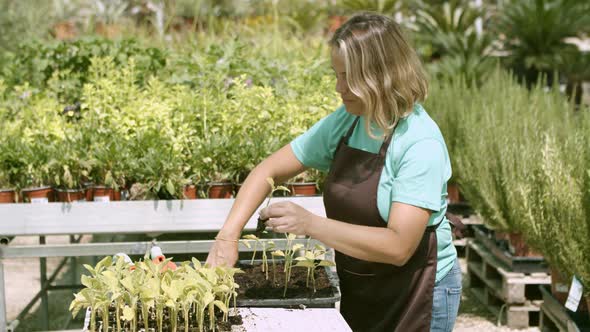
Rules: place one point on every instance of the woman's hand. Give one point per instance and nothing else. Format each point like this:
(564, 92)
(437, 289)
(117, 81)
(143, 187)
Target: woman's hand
(223, 252)
(288, 217)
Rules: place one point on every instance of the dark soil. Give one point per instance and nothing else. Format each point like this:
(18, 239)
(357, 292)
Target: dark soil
(254, 285)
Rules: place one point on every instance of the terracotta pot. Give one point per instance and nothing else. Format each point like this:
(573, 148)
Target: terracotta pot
(237, 188)
(71, 195)
(88, 190)
(38, 195)
(64, 30)
(103, 194)
(559, 286)
(7, 196)
(116, 195)
(108, 30)
(302, 188)
(220, 189)
(453, 195)
(190, 191)
(518, 246)
(334, 22)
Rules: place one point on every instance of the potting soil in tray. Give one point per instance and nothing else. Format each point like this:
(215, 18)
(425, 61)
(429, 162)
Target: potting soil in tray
(254, 285)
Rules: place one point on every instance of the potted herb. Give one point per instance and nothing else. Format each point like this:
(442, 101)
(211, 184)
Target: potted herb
(108, 169)
(36, 175)
(215, 154)
(8, 193)
(69, 167)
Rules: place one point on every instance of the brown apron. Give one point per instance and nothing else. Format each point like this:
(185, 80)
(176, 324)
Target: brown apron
(376, 296)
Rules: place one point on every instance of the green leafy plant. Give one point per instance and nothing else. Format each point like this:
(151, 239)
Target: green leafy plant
(381, 6)
(536, 33)
(193, 289)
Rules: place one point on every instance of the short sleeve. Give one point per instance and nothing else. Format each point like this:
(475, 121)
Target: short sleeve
(315, 148)
(420, 177)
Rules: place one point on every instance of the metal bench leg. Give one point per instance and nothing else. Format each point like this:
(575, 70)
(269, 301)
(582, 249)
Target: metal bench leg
(44, 298)
(3, 319)
(73, 263)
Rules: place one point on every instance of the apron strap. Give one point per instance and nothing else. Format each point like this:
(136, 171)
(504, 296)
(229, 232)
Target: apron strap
(386, 142)
(385, 145)
(351, 129)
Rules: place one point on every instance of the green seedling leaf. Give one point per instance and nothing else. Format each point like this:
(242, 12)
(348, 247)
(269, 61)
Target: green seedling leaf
(127, 282)
(170, 188)
(220, 305)
(297, 246)
(282, 188)
(128, 313)
(89, 268)
(87, 281)
(250, 237)
(271, 182)
(208, 298)
(278, 253)
(305, 263)
(170, 304)
(326, 263)
(196, 263)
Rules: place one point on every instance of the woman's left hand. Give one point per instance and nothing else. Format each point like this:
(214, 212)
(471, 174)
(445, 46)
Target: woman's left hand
(287, 217)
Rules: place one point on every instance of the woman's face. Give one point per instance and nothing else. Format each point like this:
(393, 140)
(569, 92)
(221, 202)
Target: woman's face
(353, 103)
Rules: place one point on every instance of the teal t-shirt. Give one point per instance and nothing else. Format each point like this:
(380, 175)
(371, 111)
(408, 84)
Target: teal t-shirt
(416, 171)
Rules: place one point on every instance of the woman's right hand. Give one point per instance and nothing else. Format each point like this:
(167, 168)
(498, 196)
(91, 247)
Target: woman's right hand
(223, 252)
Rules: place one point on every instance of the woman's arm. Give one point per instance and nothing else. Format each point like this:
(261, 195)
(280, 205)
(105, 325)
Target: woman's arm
(281, 166)
(394, 244)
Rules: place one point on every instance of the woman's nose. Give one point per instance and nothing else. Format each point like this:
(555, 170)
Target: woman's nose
(341, 86)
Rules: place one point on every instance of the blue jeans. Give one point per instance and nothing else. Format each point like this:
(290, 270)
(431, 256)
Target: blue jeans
(447, 296)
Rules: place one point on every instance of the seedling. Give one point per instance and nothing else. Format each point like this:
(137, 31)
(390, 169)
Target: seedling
(262, 222)
(288, 255)
(264, 245)
(194, 291)
(311, 260)
(251, 237)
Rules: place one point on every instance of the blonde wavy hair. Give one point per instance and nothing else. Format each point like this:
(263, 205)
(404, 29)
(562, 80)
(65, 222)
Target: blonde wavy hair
(382, 69)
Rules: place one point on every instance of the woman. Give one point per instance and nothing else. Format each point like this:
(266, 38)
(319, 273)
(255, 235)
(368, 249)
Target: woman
(385, 194)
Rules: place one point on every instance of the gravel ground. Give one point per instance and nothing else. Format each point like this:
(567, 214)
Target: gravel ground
(22, 283)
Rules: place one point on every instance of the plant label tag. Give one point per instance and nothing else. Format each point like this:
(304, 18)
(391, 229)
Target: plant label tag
(87, 320)
(102, 198)
(575, 295)
(39, 200)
